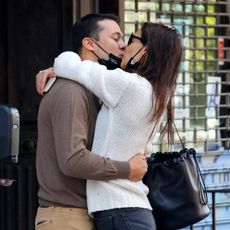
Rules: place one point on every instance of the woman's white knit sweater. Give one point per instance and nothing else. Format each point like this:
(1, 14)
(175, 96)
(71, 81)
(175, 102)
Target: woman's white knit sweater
(123, 126)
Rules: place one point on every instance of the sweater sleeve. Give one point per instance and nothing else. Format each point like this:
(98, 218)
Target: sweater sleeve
(108, 85)
(70, 122)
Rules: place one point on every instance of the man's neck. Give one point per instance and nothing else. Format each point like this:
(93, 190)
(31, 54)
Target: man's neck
(88, 56)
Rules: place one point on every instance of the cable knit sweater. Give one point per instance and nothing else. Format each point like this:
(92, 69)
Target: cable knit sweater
(123, 126)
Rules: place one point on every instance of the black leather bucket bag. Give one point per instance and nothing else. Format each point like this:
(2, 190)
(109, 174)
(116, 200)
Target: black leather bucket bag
(177, 191)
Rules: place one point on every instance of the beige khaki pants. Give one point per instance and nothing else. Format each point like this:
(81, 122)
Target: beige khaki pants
(57, 218)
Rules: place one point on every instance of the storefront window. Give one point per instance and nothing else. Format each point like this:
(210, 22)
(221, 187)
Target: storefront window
(201, 109)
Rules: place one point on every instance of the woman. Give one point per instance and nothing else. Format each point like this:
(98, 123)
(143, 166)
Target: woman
(132, 109)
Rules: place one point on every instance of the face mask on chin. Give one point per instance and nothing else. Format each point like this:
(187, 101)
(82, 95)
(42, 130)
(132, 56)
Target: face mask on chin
(112, 63)
(132, 65)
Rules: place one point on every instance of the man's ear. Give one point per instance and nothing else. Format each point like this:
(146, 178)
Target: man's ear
(88, 44)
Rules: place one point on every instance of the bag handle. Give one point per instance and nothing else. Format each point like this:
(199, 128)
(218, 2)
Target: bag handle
(202, 188)
(201, 184)
(182, 143)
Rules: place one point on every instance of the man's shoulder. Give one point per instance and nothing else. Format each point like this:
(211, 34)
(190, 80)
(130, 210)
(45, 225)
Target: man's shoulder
(65, 86)
(65, 92)
(62, 82)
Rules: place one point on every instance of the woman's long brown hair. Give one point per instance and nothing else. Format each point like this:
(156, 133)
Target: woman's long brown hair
(160, 67)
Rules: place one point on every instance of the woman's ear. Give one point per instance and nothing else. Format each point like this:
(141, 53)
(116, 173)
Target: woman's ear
(88, 44)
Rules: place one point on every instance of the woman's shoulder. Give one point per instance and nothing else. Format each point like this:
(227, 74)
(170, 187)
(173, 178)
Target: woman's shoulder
(140, 82)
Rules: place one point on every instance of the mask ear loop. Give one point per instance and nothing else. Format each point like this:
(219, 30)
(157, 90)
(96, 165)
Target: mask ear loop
(131, 59)
(96, 55)
(137, 53)
(100, 60)
(100, 46)
(111, 56)
(144, 58)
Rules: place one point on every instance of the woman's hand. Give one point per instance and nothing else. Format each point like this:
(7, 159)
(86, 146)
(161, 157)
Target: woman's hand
(42, 78)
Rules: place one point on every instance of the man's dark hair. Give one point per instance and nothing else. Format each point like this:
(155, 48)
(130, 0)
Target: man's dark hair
(88, 26)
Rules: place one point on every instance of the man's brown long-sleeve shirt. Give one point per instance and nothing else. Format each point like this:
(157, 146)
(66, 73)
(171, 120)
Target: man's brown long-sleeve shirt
(66, 121)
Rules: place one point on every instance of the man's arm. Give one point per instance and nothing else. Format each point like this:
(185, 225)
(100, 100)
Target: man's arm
(70, 114)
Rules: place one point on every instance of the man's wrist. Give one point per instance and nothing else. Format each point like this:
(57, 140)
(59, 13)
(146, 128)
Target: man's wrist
(123, 169)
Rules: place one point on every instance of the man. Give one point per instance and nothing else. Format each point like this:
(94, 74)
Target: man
(66, 122)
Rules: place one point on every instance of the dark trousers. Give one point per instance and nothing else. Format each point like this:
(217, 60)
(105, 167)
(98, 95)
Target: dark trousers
(125, 219)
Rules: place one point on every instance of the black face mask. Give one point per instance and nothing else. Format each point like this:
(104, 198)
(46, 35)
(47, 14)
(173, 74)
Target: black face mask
(132, 65)
(112, 63)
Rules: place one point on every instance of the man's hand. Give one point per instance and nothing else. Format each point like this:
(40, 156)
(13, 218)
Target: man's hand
(138, 167)
(42, 77)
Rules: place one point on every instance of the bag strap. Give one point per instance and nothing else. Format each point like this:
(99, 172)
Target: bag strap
(201, 184)
(182, 143)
